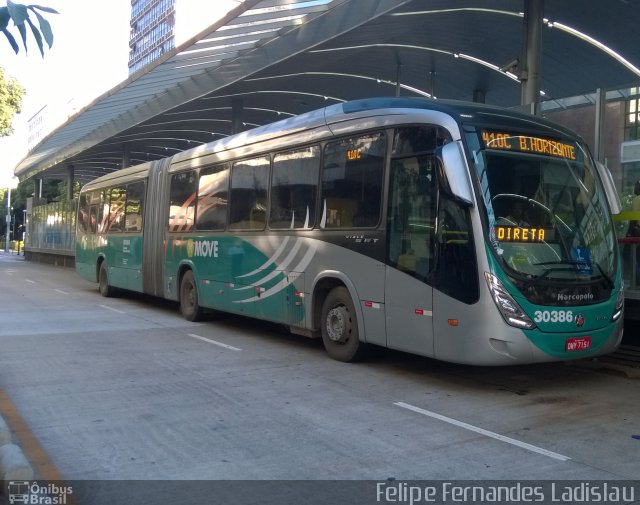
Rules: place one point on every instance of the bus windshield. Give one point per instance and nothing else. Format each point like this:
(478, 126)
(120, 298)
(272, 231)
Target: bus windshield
(548, 220)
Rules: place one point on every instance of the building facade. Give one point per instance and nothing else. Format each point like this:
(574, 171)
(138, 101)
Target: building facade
(152, 31)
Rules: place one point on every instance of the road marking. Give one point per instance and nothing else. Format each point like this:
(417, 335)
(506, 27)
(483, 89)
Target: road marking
(29, 280)
(37, 456)
(112, 309)
(40, 461)
(482, 431)
(61, 292)
(230, 347)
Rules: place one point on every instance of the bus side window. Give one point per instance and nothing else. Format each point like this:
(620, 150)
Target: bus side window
(294, 187)
(182, 201)
(103, 211)
(249, 183)
(456, 272)
(411, 215)
(352, 178)
(117, 200)
(94, 203)
(135, 204)
(213, 195)
(412, 140)
(83, 214)
(93, 219)
(413, 191)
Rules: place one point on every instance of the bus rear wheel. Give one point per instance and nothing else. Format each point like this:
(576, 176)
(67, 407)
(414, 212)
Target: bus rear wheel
(189, 307)
(340, 327)
(103, 281)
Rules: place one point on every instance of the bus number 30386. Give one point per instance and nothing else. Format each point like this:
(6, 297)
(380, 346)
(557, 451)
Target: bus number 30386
(553, 316)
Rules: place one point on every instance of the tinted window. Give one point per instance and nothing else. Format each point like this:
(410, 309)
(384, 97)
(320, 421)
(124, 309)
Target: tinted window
(412, 215)
(213, 194)
(135, 203)
(352, 181)
(412, 140)
(182, 201)
(103, 211)
(84, 224)
(294, 186)
(93, 218)
(249, 182)
(456, 271)
(117, 199)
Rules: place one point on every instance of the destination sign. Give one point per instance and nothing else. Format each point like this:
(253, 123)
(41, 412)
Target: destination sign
(502, 141)
(519, 234)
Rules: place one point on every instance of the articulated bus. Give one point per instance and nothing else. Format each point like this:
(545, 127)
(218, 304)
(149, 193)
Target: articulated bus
(458, 231)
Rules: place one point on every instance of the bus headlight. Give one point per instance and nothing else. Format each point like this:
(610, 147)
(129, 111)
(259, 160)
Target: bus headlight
(508, 307)
(619, 305)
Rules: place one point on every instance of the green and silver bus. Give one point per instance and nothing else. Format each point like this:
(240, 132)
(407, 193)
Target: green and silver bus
(459, 231)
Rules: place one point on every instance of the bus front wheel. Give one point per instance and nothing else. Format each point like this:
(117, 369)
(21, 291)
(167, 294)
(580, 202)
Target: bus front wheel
(340, 327)
(189, 307)
(103, 281)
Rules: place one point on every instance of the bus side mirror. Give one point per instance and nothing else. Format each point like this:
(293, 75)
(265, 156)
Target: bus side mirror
(454, 172)
(609, 188)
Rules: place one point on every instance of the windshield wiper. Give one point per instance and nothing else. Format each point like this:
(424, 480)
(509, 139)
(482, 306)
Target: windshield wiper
(564, 262)
(606, 277)
(572, 263)
(535, 279)
(569, 263)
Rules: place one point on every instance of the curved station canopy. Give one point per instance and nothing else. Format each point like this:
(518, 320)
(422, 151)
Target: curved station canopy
(270, 59)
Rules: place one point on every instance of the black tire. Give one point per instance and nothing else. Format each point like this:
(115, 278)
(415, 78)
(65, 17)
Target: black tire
(189, 307)
(339, 326)
(103, 281)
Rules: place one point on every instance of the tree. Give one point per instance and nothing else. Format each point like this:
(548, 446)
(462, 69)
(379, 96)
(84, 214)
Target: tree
(19, 14)
(52, 191)
(11, 93)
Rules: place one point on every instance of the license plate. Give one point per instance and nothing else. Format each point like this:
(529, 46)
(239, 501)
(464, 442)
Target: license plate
(578, 344)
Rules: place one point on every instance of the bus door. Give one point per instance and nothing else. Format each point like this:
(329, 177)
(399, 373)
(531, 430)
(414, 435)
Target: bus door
(410, 227)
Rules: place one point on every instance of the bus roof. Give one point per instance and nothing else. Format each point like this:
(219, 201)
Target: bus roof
(124, 175)
(461, 112)
(321, 120)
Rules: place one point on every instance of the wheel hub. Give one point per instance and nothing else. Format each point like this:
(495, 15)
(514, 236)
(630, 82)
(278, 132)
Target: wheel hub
(337, 322)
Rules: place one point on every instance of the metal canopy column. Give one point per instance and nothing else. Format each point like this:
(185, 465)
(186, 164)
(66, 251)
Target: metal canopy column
(479, 95)
(237, 106)
(532, 51)
(601, 103)
(70, 180)
(126, 154)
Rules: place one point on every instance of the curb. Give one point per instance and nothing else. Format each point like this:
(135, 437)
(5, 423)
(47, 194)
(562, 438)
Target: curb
(5, 434)
(13, 463)
(607, 366)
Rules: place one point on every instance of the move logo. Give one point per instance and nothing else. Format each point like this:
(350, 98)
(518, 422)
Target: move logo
(202, 248)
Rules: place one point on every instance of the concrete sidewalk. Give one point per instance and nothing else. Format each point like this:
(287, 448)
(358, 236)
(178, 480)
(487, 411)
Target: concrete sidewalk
(13, 462)
(12, 252)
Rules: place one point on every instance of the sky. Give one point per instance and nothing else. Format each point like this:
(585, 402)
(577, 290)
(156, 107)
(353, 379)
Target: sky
(89, 57)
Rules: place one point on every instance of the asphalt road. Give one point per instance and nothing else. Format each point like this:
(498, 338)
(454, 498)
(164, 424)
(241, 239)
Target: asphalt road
(123, 389)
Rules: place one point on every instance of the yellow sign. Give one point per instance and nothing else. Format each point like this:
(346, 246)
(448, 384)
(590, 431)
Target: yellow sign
(190, 248)
(519, 234)
(527, 144)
